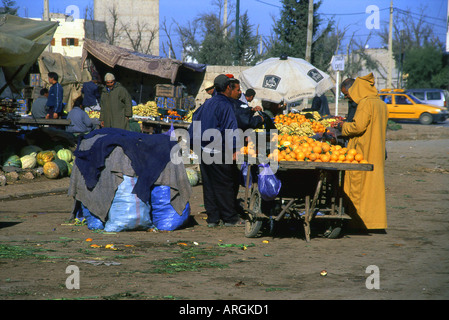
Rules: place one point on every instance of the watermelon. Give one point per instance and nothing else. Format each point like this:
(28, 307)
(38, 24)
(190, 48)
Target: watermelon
(63, 168)
(13, 161)
(27, 150)
(192, 175)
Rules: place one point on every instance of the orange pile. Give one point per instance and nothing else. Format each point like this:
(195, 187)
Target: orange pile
(288, 119)
(173, 113)
(295, 148)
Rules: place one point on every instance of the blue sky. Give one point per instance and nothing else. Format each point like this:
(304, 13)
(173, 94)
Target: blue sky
(345, 12)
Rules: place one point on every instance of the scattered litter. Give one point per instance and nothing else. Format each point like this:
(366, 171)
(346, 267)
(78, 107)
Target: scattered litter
(97, 263)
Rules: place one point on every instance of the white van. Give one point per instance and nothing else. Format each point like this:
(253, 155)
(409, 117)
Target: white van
(436, 97)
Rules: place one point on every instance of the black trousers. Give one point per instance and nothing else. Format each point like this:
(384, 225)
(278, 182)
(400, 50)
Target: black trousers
(220, 188)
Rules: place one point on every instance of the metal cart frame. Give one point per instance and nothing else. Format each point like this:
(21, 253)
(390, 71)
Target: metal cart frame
(321, 197)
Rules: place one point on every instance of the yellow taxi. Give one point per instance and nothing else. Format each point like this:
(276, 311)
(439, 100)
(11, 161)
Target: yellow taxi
(404, 106)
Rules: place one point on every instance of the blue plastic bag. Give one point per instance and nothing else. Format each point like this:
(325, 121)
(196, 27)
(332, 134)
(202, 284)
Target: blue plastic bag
(127, 211)
(93, 223)
(269, 185)
(163, 214)
(244, 171)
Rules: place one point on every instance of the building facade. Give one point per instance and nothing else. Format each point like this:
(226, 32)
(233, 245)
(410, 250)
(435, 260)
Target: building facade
(131, 24)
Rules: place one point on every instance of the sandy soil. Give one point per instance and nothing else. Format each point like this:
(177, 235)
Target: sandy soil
(37, 244)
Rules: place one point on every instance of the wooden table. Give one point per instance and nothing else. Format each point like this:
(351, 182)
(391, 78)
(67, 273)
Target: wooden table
(28, 121)
(158, 126)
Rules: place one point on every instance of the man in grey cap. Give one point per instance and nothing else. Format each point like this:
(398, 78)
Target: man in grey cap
(220, 178)
(116, 104)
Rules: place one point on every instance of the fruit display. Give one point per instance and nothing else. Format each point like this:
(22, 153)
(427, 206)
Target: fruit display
(149, 109)
(297, 148)
(188, 116)
(302, 124)
(55, 163)
(94, 114)
(173, 114)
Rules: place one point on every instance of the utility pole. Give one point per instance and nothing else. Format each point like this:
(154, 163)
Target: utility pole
(237, 20)
(309, 32)
(390, 48)
(225, 17)
(46, 16)
(447, 30)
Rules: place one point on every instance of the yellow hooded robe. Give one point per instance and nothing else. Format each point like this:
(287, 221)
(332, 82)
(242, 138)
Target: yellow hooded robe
(366, 189)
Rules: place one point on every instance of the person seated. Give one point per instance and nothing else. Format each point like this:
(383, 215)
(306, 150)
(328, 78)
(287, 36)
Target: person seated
(80, 123)
(39, 106)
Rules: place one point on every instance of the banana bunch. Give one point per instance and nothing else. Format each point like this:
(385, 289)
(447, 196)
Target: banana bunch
(94, 114)
(188, 116)
(327, 122)
(315, 114)
(303, 129)
(148, 109)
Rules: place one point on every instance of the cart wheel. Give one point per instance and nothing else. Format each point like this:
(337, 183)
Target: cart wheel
(253, 225)
(333, 230)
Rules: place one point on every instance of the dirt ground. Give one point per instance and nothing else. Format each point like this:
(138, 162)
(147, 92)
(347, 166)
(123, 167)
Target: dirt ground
(410, 261)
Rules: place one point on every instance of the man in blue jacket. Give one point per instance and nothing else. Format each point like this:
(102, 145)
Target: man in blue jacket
(55, 95)
(220, 178)
(92, 95)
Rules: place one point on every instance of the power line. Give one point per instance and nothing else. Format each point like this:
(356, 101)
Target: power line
(269, 4)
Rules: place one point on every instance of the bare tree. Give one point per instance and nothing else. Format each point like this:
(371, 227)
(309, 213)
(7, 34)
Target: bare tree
(170, 51)
(142, 38)
(113, 31)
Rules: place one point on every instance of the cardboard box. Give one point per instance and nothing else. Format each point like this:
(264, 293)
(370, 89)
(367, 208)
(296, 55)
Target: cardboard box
(169, 91)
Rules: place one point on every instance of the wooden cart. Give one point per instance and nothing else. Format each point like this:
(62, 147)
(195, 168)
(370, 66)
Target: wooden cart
(310, 190)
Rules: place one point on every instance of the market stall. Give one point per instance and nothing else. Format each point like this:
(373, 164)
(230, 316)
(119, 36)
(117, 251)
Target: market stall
(21, 43)
(301, 177)
(310, 191)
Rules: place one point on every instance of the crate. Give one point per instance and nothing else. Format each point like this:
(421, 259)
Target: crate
(161, 102)
(188, 103)
(169, 91)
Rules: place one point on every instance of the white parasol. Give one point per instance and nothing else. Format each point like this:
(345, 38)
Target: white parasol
(285, 79)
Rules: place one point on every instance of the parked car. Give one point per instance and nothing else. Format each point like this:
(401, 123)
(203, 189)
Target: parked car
(403, 106)
(436, 97)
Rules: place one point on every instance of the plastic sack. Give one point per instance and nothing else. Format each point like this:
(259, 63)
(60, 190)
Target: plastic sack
(269, 185)
(244, 175)
(93, 223)
(127, 211)
(163, 214)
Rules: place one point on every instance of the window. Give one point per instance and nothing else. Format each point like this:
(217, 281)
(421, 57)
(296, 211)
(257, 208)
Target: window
(386, 99)
(419, 95)
(69, 42)
(433, 95)
(402, 100)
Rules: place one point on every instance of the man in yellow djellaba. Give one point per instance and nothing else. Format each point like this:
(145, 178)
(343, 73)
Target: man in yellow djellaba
(365, 190)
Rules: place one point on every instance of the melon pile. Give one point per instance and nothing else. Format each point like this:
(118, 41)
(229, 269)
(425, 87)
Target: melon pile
(55, 163)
